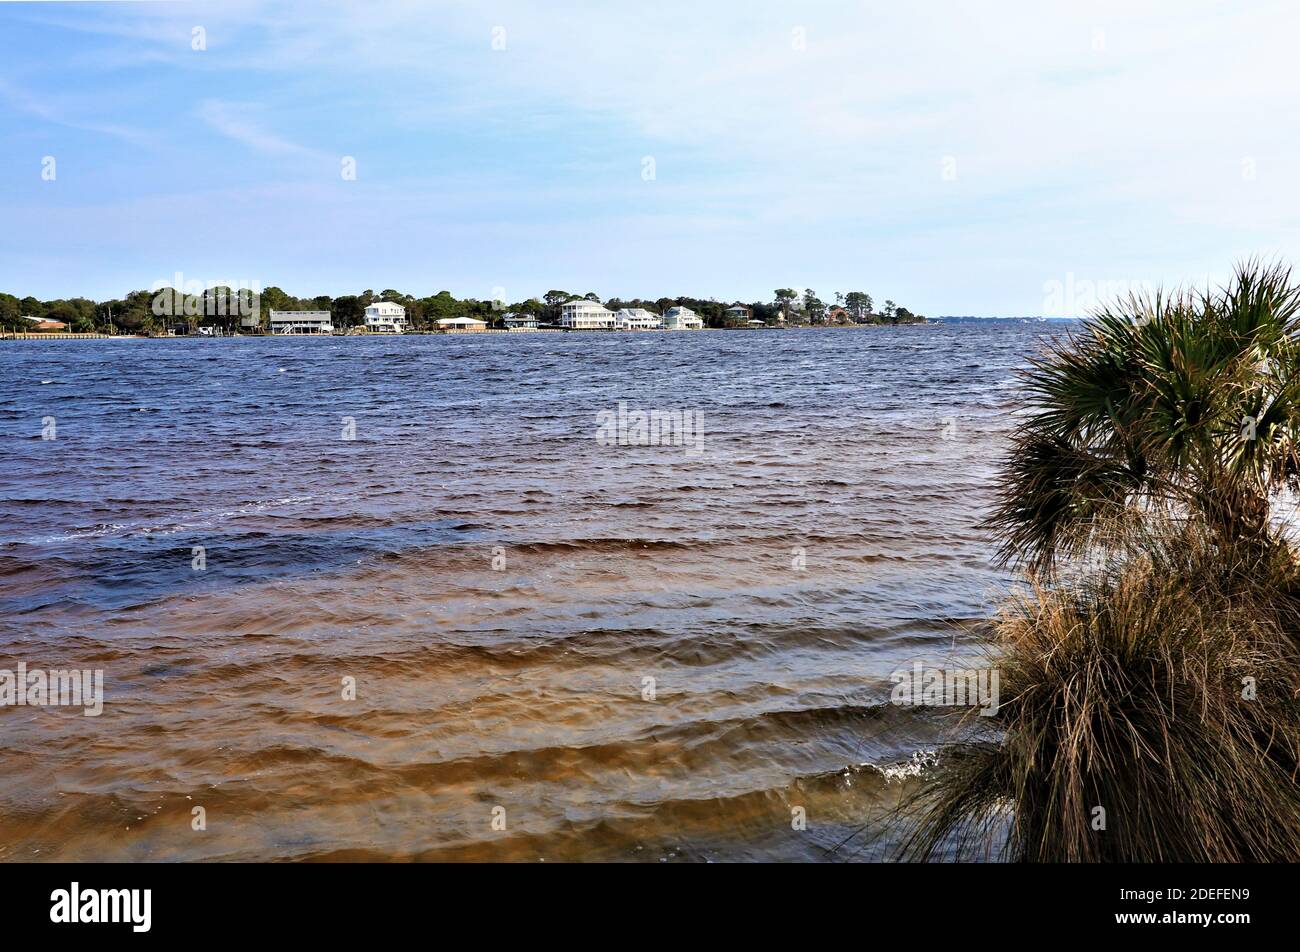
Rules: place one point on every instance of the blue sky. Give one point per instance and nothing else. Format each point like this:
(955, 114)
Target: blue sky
(957, 159)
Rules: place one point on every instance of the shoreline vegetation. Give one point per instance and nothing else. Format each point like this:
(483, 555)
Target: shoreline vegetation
(1151, 666)
(224, 311)
(40, 335)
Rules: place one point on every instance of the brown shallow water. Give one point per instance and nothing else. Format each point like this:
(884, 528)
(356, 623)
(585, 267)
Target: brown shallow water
(824, 537)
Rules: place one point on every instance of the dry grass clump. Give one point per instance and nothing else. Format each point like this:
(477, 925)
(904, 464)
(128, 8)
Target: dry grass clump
(1159, 686)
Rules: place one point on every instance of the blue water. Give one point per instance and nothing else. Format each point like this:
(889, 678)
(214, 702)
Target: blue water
(500, 584)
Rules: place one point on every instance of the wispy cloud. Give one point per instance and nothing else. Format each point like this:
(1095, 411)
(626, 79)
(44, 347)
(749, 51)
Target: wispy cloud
(48, 111)
(240, 122)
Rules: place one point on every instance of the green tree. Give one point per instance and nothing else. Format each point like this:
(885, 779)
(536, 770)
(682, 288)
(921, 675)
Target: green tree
(64, 313)
(136, 314)
(785, 298)
(10, 312)
(168, 306)
(554, 300)
(348, 311)
(220, 308)
(859, 304)
(813, 307)
(439, 306)
(275, 299)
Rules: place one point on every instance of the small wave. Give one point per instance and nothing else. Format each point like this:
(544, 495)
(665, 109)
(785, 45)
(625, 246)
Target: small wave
(916, 766)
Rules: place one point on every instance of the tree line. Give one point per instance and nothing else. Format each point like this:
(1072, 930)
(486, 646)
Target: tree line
(150, 312)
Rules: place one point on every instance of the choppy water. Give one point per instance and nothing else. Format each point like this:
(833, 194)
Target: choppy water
(865, 455)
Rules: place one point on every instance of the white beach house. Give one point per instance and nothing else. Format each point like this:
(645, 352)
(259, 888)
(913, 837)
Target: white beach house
(44, 324)
(385, 317)
(520, 322)
(301, 322)
(637, 319)
(682, 319)
(587, 316)
(449, 325)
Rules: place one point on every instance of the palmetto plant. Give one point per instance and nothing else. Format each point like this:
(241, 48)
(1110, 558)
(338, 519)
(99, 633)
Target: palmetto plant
(1186, 402)
(1157, 438)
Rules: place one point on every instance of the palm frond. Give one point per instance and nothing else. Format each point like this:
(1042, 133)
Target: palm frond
(1193, 392)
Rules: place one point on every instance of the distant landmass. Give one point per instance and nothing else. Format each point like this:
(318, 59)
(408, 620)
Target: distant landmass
(973, 319)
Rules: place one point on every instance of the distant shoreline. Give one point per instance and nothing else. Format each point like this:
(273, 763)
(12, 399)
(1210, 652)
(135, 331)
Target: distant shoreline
(63, 336)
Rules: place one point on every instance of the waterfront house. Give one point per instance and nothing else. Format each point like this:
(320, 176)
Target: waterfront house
(682, 319)
(585, 315)
(301, 322)
(738, 315)
(385, 317)
(43, 324)
(520, 322)
(460, 325)
(637, 319)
